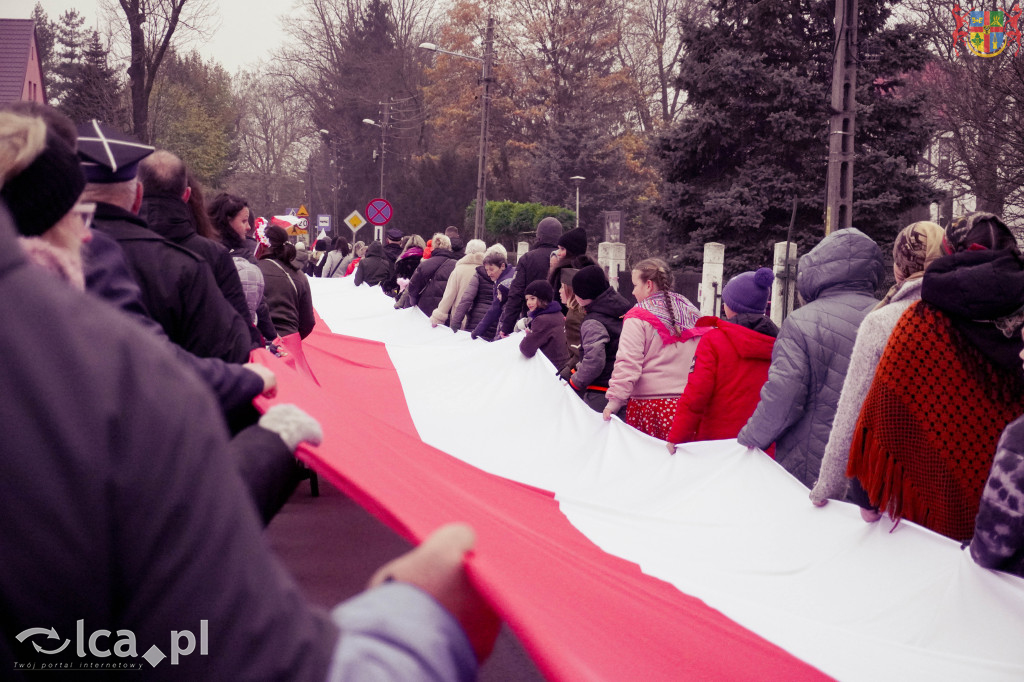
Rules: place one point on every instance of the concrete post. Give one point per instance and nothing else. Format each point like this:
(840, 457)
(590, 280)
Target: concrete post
(612, 257)
(521, 248)
(710, 293)
(784, 286)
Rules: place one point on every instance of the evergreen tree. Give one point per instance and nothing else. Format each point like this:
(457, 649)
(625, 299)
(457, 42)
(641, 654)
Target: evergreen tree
(68, 51)
(94, 89)
(757, 76)
(44, 38)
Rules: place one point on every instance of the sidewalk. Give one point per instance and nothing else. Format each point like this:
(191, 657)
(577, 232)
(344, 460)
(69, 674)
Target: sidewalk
(332, 547)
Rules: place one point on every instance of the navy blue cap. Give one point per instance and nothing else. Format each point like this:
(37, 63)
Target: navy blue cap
(108, 155)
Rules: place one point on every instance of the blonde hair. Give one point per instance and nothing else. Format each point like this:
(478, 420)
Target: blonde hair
(22, 139)
(414, 240)
(441, 242)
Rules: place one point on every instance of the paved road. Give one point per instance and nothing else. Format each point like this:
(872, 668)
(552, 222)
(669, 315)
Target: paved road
(332, 547)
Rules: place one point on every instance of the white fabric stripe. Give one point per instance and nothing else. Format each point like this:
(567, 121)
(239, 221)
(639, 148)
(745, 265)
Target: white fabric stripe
(718, 521)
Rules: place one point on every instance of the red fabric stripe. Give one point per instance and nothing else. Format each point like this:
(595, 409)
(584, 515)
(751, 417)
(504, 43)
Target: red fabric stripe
(580, 612)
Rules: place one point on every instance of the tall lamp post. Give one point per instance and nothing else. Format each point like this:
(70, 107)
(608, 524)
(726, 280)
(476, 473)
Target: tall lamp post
(336, 180)
(383, 125)
(577, 179)
(485, 106)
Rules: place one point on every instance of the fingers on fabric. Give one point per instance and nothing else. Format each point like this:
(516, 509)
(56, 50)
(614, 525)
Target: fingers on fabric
(437, 567)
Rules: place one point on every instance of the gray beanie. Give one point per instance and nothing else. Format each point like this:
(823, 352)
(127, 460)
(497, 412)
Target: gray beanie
(548, 231)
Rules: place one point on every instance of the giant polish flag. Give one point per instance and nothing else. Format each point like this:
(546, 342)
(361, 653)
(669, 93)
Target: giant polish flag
(611, 559)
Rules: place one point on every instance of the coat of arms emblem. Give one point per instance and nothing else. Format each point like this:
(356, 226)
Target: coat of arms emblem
(986, 33)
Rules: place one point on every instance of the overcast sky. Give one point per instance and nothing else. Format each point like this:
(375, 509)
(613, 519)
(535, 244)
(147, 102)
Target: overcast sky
(246, 29)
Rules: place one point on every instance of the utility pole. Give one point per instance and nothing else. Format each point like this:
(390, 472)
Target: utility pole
(485, 108)
(384, 141)
(839, 192)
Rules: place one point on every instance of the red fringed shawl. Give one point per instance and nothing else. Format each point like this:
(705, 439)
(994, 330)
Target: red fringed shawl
(927, 432)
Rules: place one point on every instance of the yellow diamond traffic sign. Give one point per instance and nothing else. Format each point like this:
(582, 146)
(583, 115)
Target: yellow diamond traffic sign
(354, 221)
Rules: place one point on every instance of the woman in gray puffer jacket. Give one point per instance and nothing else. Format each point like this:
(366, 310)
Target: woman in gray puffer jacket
(837, 280)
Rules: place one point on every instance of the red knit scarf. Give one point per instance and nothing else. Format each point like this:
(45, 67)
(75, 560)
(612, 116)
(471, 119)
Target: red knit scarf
(927, 433)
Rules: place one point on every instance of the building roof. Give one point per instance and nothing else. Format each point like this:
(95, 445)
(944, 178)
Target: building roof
(16, 37)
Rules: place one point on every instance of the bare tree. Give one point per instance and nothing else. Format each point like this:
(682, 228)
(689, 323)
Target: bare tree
(150, 27)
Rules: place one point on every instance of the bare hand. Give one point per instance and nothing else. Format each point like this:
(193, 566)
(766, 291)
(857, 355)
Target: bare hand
(869, 515)
(502, 335)
(819, 503)
(671, 447)
(437, 567)
(607, 414)
(269, 379)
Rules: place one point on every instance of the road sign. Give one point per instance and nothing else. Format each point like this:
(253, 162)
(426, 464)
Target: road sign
(323, 221)
(354, 221)
(378, 211)
(302, 212)
(291, 211)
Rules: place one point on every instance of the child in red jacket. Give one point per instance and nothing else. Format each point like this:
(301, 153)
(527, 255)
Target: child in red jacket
(730, 366)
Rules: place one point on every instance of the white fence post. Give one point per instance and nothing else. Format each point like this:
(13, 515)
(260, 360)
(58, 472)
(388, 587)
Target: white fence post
(710, 293)
(521, 248)
(612, 257)
(784, 287)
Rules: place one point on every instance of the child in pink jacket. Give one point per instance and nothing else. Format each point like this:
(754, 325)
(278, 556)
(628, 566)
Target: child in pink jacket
(655, 351)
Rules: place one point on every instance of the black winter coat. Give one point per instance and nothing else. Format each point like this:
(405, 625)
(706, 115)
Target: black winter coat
(288, 295)
(426, 288)
(178, 289)
(375, 268)
(534, 265)
(148, 527)
(107, 278)
(170, 218)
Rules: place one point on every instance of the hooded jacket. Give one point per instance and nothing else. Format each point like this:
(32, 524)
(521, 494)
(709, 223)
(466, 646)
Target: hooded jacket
(599, 336)
(375, 268)
(730, 367)
(837, 280)
(534, 265)
(426, 288)
(961, 285)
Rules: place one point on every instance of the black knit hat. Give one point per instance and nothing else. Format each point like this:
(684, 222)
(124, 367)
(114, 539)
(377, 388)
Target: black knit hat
(589, 282)
(39, 196)
(541, 289)
(574, 241)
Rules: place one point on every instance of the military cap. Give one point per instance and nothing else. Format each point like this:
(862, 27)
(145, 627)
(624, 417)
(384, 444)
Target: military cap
(108, 155)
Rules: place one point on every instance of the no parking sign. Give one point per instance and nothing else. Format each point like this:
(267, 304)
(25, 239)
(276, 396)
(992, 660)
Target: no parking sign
(378, 211)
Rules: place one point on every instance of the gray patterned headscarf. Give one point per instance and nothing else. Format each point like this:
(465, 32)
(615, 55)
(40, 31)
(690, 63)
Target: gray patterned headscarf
(916, 247)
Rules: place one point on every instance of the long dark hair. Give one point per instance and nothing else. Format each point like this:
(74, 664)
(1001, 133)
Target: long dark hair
(222, 210)
(197, 205)
(280, 248)
(341, 244)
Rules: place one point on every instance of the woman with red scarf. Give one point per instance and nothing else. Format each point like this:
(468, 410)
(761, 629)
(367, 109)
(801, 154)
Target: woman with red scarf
(655, 351)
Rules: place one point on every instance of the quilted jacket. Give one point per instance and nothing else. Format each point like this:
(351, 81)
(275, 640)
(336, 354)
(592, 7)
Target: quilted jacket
(836, 280)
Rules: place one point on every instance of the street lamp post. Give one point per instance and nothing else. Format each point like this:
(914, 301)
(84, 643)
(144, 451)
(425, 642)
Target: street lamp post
(577, 179)
(336, 180)
(485, 106)
(383, 125)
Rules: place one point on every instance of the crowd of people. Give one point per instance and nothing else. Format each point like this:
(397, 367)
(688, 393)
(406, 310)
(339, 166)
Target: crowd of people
(142, 303)
(137, 475)
(895, 405)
